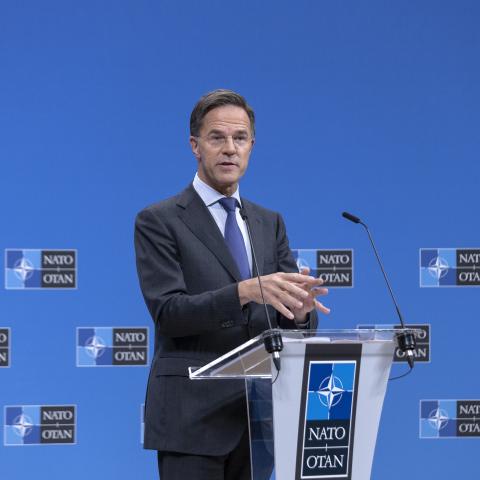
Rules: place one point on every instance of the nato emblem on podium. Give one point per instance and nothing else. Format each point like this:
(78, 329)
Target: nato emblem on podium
(327, 414)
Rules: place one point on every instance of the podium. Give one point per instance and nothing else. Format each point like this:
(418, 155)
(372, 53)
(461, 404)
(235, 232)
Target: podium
(318, 417)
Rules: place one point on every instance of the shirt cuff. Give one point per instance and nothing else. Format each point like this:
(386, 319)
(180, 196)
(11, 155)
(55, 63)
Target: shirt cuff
(303, 324)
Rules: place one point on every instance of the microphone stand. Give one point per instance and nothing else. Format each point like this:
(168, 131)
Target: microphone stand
(406, 340)
(272, 338)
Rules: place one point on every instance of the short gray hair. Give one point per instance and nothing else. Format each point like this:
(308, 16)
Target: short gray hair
(218, 98)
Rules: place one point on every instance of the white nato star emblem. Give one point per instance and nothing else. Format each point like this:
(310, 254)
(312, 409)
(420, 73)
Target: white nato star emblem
(330, 391)
(302, 263)
(438, 267)
(23, 269)
(95, 346)
(22, 425)
(438, 418)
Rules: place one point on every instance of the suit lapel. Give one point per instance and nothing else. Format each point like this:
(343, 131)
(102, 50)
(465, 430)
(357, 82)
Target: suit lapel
(256, 226)
(198, 219)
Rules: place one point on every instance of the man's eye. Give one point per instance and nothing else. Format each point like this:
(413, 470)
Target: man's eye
(240, 138)
(216, 138)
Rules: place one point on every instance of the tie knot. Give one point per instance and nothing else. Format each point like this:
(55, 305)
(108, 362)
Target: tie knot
(228, 203)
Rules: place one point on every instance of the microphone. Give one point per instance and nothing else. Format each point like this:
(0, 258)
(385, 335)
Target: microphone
(406, 340)
(272, 338)
(351, 217)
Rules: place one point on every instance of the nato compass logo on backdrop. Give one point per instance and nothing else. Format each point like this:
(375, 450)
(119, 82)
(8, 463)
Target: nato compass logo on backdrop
(449, 267)
(39, 425)
(4, 347)
(449, 418)
(328, 419)
(334, 267)
(38, 269)
(421, 352)
(112, 346)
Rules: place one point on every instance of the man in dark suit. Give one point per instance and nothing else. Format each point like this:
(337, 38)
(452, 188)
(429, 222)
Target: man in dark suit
(194, 261)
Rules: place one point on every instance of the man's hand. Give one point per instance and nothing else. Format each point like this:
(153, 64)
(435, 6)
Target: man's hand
(291, 294)
(310, 302)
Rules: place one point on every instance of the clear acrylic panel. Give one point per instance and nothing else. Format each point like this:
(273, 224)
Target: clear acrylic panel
(250, 360)
(260, 416)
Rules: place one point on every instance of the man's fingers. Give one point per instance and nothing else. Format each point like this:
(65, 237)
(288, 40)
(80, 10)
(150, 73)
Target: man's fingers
(321, 307)
(283, 310)
(288, 300)
(304, 270)
(299, 278)
(294, 289)
(318, 291)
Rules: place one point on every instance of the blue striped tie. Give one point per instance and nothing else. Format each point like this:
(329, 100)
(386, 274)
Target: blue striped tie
(234, 237)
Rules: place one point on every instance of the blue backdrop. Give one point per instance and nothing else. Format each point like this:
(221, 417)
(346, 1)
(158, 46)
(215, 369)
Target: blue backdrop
(370, 106)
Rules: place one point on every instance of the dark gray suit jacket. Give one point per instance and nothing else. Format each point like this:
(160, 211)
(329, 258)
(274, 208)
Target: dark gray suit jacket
(189, 281)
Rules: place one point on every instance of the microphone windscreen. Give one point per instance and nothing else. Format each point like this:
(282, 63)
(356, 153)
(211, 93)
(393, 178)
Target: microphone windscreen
(351, 217)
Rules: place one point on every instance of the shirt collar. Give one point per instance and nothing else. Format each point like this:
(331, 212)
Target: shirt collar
(208, 194)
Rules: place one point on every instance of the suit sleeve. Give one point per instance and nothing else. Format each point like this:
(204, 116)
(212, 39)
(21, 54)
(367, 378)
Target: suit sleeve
(177, 313)
(286, 263)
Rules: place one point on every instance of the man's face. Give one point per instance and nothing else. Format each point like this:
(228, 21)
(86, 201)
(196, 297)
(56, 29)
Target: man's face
(223, 147)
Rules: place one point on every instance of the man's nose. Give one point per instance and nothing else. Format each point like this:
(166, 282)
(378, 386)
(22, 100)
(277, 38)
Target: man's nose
(229, 146)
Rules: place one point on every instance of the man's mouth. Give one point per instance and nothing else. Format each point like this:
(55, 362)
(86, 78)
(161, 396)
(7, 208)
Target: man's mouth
(228, 164)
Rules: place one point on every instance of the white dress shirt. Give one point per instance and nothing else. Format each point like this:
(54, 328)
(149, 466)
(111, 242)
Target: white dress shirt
(211, 197)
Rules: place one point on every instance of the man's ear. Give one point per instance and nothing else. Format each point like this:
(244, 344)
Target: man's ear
(194, 145)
